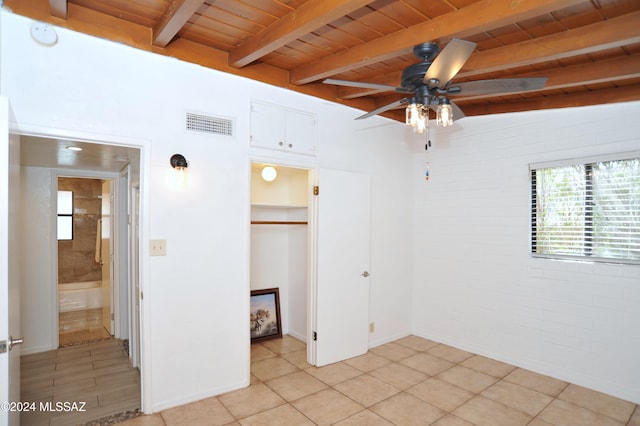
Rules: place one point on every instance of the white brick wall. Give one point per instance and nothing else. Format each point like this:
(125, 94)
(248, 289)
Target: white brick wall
(475, 284)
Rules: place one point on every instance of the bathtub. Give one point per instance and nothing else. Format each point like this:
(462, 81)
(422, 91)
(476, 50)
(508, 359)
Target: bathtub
(79, 296)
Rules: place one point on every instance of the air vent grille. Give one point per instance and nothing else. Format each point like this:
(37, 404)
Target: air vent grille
(208, 124)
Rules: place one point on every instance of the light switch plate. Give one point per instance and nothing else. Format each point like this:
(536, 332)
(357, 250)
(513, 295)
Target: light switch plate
(158, 247)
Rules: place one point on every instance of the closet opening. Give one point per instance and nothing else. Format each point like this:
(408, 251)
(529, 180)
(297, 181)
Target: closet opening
(279, 256)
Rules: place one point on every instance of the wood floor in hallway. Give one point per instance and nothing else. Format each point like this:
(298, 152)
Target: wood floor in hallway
(96, 377)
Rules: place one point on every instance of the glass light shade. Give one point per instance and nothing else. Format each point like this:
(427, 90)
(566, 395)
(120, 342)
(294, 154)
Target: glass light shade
(444, 114)
(411, 114)
(416, 118)
(269, 173)
(423, 121)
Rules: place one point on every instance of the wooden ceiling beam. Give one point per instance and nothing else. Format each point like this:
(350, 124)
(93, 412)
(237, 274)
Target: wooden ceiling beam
(175, 16)
(594, 97)
(614, 32)
(307, 18)
(58, 8)
(619, 31)
(473, 19)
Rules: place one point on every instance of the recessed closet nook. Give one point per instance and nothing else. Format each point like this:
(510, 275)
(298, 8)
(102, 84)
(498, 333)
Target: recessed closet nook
(279, 242)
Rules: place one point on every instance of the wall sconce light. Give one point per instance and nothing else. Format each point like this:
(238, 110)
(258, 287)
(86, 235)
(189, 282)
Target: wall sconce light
(269, 173)
(180, 164)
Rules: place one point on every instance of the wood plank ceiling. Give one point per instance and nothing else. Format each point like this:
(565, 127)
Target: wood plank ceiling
(588, 49)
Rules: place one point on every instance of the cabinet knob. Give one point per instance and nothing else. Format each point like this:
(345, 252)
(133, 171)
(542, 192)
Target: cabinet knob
(280, 143)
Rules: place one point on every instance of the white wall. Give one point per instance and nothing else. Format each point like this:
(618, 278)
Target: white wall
(196, 297)
(298, 273)
(476, 286)
(279, 259)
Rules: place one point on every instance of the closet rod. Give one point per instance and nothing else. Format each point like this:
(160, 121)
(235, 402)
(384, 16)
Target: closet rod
(276, 222)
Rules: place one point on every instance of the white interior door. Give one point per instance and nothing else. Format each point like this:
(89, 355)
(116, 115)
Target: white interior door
(342, 287)
(9, 265)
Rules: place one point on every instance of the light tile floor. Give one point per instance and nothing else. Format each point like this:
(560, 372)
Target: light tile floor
(411, 381)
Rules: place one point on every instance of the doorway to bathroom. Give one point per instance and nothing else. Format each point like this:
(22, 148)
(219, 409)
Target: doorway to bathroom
(84, 234)
(80, 227)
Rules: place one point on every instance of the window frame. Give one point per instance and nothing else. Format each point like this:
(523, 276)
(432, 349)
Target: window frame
(69, 215)
(589, 204)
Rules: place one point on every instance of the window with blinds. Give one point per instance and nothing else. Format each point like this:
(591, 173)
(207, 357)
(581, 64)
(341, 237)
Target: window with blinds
(589, 210)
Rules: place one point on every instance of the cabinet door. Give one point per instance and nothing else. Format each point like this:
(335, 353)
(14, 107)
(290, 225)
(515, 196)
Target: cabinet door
(267, 126)
(300, 132)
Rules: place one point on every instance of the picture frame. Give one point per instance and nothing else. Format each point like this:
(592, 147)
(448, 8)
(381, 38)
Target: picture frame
(264, 315)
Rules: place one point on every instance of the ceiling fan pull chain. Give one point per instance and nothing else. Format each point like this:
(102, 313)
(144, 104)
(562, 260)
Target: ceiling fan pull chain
(427, 144)
(427, 165)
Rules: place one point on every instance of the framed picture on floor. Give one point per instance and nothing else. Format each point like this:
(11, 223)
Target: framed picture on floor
(264, 318)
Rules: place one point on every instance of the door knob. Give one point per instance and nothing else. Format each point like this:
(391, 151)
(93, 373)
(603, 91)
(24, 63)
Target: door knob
(365, 274)
(13, 342)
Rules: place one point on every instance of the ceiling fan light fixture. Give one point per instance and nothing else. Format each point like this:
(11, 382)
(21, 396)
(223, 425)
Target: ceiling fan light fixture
(416, 117)
(444, 114)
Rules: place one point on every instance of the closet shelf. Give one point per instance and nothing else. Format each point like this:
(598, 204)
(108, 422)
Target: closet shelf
(279, 205)
(277, 222)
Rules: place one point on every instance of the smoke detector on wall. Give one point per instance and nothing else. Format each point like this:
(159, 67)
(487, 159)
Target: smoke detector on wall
(44, 34)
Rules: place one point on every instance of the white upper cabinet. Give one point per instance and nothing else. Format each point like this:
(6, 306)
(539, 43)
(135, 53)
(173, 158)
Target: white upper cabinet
(277, 127)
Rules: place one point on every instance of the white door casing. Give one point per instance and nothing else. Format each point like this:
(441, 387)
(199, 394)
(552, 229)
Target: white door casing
(134, 279)
(9, 257)
(343, 252)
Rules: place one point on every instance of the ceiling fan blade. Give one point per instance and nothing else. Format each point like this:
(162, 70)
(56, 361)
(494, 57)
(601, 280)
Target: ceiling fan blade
(457, 112)
(499, 85)
(384, 108)
(366, 85)
(448, 62)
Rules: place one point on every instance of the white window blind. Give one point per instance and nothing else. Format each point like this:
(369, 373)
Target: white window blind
(589, 210)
